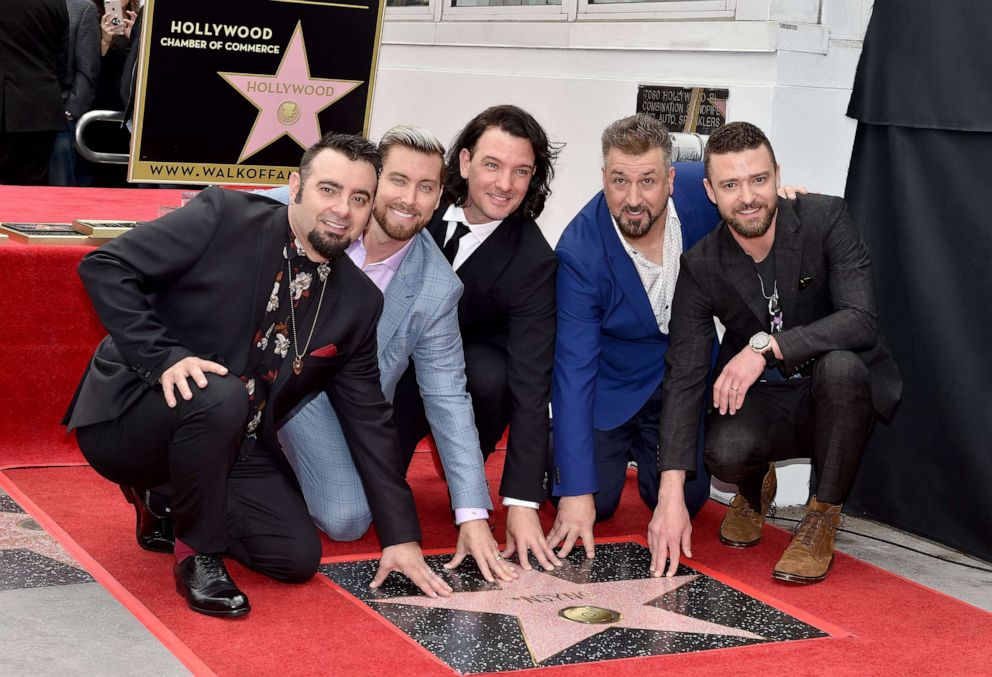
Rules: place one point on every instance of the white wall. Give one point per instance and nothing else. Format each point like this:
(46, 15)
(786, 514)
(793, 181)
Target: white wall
(789, 66)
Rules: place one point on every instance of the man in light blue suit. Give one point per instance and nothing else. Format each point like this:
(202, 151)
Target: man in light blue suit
(617, 264)
(419, 321)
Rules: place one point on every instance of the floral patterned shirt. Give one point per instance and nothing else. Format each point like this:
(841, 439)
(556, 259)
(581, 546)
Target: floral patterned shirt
(272, 345)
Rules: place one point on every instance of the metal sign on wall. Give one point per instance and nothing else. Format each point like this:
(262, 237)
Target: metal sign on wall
(695, 110)
(233, 91)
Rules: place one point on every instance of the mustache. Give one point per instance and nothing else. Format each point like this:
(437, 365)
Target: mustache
(400, 207)
(753, 204)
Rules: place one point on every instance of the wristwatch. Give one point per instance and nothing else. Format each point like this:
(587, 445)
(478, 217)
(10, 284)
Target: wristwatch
(761, 343)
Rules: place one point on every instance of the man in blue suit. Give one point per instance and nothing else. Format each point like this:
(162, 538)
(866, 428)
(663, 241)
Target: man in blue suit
(420, 321)
(618, 261)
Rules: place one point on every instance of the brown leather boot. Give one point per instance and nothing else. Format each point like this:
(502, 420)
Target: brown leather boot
(741, 527)
(809, 556)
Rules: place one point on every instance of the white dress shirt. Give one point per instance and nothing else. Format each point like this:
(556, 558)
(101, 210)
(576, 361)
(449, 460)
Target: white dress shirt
(659, 280)
(472, 240)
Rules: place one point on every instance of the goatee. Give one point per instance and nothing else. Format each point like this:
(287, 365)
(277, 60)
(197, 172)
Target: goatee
(635, 229)
(326, 245)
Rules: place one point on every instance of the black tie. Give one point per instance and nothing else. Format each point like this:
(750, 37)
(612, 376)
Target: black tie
(451, 246)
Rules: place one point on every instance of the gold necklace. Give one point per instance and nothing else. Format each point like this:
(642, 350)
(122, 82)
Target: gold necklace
(323, 270)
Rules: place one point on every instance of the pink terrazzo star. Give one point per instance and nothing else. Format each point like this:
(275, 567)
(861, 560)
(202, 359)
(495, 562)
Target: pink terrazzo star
(289, 101)
(536, 597)
(13, 536)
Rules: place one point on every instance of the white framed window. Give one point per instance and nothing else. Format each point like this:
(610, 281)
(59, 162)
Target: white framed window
(510, 10)
(503, 3)
(557, 10)
(478, 10)
(655, 9)
(401, 10)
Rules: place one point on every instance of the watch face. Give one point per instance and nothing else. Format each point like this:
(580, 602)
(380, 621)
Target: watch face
(760, 341)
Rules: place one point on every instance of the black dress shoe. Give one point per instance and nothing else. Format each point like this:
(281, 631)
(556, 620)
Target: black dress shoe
(152, 529)
(204, 582)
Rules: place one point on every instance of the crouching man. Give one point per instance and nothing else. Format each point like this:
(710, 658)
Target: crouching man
(222, 317)
(802, 369)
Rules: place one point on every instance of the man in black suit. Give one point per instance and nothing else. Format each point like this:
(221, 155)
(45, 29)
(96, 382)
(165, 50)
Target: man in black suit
(34, 48)
(496, 181)
(802, 369)
(253, 302)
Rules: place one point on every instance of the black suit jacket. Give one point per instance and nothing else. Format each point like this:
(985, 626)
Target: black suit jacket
(509, 302)
(34, 56)
(196, 282)
(79, 85)
(827, 297)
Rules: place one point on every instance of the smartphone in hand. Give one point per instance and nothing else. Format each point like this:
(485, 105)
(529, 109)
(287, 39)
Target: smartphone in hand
(113, 9)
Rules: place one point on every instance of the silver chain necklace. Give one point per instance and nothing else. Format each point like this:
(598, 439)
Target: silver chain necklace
(773, 306)
(323, 270)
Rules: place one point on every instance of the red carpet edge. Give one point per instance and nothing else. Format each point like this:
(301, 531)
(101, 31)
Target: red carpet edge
(104, 578)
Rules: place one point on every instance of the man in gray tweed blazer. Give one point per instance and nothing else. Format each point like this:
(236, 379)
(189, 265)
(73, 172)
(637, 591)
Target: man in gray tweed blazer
(78, 86)
(419, 321)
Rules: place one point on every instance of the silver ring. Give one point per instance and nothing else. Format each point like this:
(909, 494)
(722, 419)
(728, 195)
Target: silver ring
(499, 557)
(735, 387)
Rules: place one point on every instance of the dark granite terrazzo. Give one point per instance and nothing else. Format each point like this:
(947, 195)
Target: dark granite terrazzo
(7, 504)
(21, 568)
(474, 641)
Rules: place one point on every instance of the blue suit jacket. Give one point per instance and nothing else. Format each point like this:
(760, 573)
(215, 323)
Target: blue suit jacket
(420, 320)
(609, 353)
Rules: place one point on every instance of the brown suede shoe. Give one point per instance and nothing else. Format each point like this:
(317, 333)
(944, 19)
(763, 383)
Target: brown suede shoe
(741, 527)
(809, 556)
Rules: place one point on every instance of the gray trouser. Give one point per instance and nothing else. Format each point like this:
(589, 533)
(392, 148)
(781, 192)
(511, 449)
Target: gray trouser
(315, 446)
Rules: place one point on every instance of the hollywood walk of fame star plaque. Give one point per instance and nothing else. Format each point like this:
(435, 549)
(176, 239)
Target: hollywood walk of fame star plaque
(589, 610)
(233, 91)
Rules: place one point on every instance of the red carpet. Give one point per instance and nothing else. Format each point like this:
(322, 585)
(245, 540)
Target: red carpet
(897, 626)
(50, 328)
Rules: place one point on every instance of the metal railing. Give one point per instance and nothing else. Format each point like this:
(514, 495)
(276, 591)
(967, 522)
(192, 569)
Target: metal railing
(685, 147)
(87, 152)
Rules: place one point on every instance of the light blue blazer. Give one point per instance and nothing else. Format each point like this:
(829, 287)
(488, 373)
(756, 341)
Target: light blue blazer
(420, 320)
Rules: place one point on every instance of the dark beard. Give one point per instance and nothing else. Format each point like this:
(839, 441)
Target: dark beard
(752, 228)
(635, 230)
(328, 246)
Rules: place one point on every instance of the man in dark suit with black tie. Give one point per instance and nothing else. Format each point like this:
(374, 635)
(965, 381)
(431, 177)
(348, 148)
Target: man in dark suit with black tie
(34, 57)
(496, 181)
(253, 302)
(803, 367)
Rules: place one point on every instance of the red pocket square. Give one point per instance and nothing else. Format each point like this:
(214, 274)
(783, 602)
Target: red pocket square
(330, 350)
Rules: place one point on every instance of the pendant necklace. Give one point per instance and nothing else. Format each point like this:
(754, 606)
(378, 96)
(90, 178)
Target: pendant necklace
(773, 307)
(323, 270)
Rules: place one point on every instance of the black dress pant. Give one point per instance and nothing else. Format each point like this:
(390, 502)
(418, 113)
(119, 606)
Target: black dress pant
(226, 497)
(825, 417)
(485, 372)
